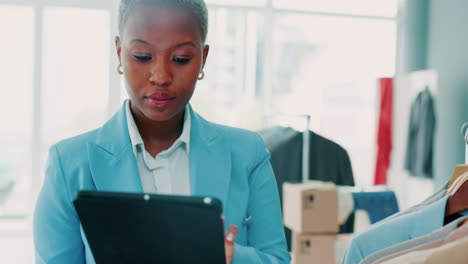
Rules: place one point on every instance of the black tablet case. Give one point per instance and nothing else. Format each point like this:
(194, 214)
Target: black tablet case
(142, 228)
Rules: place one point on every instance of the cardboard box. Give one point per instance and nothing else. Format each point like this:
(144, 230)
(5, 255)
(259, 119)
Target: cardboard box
(310, 249)
(311, 207)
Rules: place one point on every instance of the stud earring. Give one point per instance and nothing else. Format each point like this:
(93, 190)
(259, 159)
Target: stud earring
(119, 69)
(201, 75)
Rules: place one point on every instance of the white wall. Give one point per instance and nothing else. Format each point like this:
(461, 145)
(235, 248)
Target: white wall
(447, 53)
(410, 190)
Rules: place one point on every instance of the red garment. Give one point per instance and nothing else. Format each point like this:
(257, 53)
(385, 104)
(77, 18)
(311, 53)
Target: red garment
(384, 134)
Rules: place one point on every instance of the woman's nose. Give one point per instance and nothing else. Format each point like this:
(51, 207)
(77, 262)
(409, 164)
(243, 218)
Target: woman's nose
(161, 74)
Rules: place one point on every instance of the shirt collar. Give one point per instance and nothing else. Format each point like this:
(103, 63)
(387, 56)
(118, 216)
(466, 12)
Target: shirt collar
(135, 136)
(185, 136)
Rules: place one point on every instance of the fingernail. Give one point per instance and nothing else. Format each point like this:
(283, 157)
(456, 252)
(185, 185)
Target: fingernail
(230, 237)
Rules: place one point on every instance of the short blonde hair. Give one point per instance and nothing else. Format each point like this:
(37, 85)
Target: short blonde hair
(197, 7)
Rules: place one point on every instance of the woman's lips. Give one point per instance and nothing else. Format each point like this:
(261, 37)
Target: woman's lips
(161, 96)
(160, 100)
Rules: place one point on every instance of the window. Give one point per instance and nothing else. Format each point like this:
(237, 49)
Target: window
(76, 72)
(58, 93)
(236, 2)
(327, 67)
(233, 67)
(16, 111)
(387, 8)
(47, 95)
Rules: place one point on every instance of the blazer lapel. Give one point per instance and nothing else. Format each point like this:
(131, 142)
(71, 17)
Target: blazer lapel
(210, 160)
(112, 162)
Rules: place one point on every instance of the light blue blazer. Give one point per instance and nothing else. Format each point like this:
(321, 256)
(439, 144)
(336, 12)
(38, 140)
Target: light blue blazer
(406, 227)
(228, 163)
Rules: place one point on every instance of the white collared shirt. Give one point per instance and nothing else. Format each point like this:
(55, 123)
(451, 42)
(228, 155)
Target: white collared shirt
(168, 172)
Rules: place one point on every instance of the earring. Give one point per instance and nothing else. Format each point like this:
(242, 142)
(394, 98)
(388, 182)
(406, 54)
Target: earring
(119, 69)
(201, 75)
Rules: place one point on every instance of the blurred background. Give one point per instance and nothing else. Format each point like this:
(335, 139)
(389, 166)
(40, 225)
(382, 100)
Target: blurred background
(321, 58)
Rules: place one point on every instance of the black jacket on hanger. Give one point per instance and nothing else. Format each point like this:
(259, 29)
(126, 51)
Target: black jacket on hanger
(328, 161)
(420, 145)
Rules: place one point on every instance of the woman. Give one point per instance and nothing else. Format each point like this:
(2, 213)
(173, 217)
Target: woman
(158, 143)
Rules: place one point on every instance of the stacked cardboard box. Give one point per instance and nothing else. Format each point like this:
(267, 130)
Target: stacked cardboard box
(310, 210)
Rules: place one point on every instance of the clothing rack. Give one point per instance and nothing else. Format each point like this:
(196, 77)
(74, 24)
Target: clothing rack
(305, 150)
(305, 143)
(464, 132)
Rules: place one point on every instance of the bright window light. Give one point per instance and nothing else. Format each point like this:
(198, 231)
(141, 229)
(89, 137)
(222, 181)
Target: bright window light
(16, 111)
(386, 8)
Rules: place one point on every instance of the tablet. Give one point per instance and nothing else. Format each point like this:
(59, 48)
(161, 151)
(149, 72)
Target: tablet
(149, 228)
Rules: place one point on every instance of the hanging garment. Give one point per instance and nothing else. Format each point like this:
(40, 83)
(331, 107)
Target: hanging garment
(451, 249)
(453, 253)
(400, 248)
(419, 148)
(384, 134)
(378, 205)
(436, 196)
(328, 161)
(403, 228)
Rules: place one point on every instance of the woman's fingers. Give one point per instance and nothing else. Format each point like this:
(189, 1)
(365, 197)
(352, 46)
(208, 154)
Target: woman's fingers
(229, 239)
(231, 233)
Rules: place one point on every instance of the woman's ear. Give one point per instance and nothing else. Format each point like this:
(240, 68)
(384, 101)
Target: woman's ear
(206, 50)
(118, 46)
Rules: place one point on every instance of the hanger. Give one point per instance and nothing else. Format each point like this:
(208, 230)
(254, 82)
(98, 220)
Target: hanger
(459, 169)
(459, 199)
(457, 172)
(461, 180)
(457, 183)
(464, 223)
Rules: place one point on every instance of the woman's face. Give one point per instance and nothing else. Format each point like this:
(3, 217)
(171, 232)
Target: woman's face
(162, 54)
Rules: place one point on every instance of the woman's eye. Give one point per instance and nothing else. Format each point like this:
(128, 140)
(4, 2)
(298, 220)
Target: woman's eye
(180, 60)
(142, 57)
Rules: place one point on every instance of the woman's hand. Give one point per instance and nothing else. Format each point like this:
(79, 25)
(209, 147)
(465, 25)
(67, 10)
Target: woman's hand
(229, 239)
